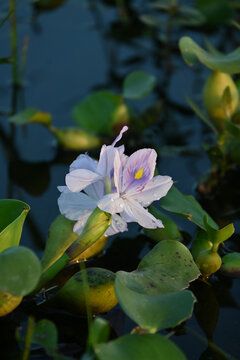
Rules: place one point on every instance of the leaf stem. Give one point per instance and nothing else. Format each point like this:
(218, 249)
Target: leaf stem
(28, 338)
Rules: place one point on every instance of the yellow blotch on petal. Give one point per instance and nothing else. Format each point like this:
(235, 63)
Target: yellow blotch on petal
(138, 174)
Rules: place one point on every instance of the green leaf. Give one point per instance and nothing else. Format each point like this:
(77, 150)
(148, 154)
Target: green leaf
(233, 129)
(93, 287)
(216, 12)
(99, 331)
(75, 138)
(101, 112)
(201, 243)
(231, 264)
(12, 217)
(199, 113)
(140, 347)
(20, 271)
(138, 85)
(149, 294)
(192, 52)
(31, 115)
(170, 230)
(218, 236)
(60, 237)
(187, 207)
(45, 335)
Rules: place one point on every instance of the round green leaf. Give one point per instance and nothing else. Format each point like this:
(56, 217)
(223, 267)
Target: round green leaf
(101, 112)
(93, 287)
(45, 334)
(140, 347)
(149, 294)
(12, 216)
(19, 271)
(31, 115)
(75, 138)
(231, 264)
(138, 84)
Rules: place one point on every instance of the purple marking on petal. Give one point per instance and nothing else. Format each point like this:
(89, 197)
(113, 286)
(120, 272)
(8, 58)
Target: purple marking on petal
(142, 160)
(154, 190)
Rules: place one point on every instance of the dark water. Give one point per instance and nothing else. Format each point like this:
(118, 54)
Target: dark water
(72, 51)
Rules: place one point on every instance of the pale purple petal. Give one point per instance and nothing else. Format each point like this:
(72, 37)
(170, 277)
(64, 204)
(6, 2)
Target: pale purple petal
(125, 128)
(155, 189)
(118, 173)
(78, 180)
(117, 225)
(84, 161)
(138, 170)
(63, 188)
(96, 190)
(78, 227)
(111, 203)
(141, 215)
(74, 205)
(106, 159)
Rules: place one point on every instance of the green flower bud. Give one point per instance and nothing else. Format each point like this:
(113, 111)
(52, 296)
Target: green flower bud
(208, 262)
(213, 92)
(96, 225)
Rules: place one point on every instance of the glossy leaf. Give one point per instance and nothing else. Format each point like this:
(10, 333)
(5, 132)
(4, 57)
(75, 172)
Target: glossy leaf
(141, 347)
(60, 237)
(8, 303)
(162, 273)
(192, 52)
(95, 291)
(75, 138)
(170, 230)
(100, 112)
(20, 271)
(231, 264)
(12, 217)
(31, 115)
(138, 84)
(201, 243)
(187, 207)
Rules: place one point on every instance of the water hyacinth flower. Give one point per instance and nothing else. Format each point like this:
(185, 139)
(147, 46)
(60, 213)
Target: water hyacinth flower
(121, 185)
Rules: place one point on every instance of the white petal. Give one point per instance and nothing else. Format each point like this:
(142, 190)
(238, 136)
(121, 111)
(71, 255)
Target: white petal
(63, 188)
(78, 227)
(96, 190)
(117, 225)
(74, 205)
(155, 189)
(78, 179)
(84, 161)
(111, 203)
(142, 216)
